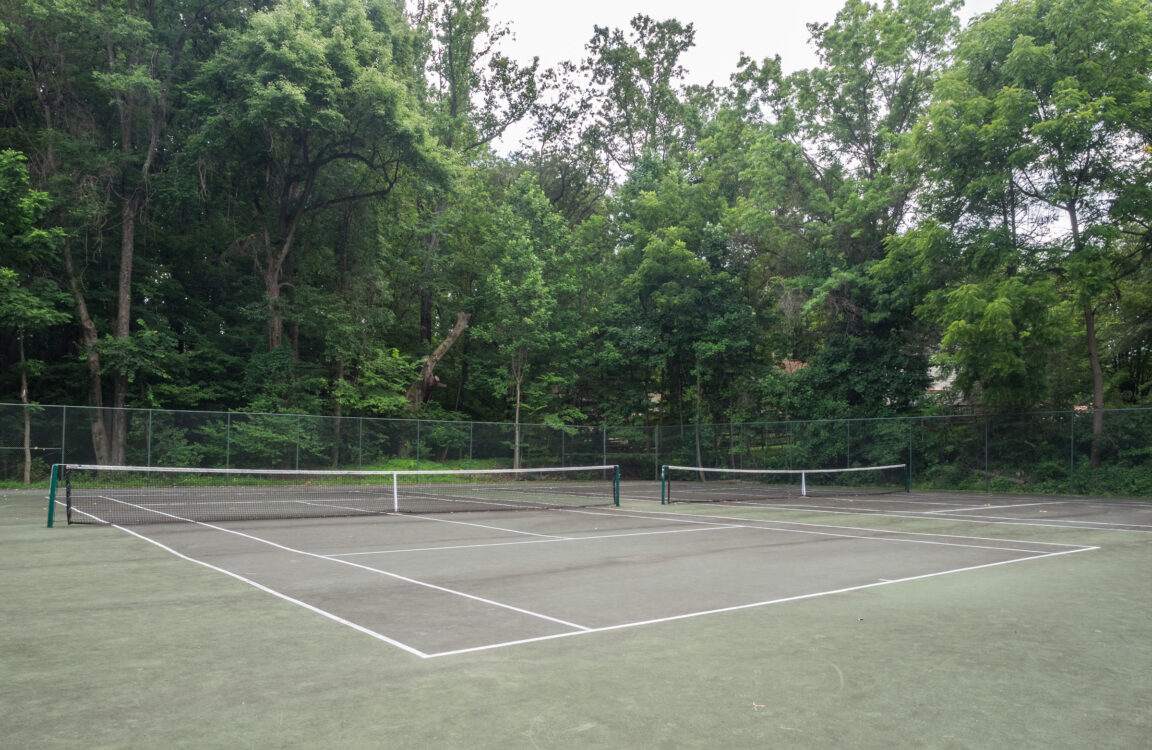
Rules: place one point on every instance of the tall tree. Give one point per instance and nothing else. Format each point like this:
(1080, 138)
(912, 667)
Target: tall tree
(307, 92)
(92, 106)
(680, 326)
(30, 301)
(825, 190)
(516, 304)
(1034, 145)
(472, 94)
(641, 105)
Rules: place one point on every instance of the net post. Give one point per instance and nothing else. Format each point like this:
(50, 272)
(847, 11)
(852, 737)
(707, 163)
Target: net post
(52, 494)
(664, 485)
(907, 478)
(803, 484)
(616, 488)
(395, 494)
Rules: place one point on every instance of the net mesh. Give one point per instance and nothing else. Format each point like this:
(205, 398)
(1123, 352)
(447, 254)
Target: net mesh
(697, 484)
(135, 495)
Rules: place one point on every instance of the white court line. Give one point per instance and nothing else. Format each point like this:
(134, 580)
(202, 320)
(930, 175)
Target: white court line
(752, 605)
(929, 515)
(765, 525)
(1063, 523)
(537, 541)
(367, 568)
(424, 517)
(993, 507)
(878, 534)
(285, 597)
(579, 630)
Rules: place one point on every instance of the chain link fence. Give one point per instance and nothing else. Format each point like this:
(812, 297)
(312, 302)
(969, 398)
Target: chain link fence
(1040, 452)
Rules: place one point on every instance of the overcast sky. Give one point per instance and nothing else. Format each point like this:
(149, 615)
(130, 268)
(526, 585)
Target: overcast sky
(556, 31)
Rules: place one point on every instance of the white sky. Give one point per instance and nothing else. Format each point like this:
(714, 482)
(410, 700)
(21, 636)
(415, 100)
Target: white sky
(556, 31)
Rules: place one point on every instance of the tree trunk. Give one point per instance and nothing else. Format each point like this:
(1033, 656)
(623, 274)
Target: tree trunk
(27, 415)
(338, 415)
(129, 211)
(421, 390)
(275, 320)
(425, 297)
(699, 454)
(516, 439)
(91, 360)
(431, 243)
(1097, 385)
(1093, 351)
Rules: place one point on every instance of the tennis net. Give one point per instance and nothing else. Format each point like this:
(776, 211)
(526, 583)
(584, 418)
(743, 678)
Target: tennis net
(698, 484)
(136, 494)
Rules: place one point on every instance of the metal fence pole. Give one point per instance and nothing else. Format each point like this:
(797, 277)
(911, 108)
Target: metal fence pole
(1072, 452)
(911, 422)
(987, 477)
(656, 447)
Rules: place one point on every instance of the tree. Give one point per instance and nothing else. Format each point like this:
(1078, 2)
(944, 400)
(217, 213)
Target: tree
(93, 88)
(825, 189)
(1033, 144)
(640, 107)
(679, 325)
(472, 93)
(516, 304)
(306, 92)
(29, 300)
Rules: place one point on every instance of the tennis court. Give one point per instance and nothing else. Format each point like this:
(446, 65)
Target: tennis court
(794, 622)
(500, 579)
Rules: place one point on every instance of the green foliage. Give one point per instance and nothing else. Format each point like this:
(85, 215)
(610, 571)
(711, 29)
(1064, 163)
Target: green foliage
(379, 389)
(1030, 151)
(306, 196)
(641, 112)
(29, 300)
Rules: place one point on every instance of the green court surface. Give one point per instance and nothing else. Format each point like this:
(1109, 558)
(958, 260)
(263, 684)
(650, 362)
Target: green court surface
(908, 621)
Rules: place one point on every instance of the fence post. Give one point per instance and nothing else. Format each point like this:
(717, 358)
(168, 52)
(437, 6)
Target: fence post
(52, 494)
(911, 422)
(1072, 452)
(789, 465)
(987, 485)
(656, 447)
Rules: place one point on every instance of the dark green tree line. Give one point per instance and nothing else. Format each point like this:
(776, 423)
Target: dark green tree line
(295, 206)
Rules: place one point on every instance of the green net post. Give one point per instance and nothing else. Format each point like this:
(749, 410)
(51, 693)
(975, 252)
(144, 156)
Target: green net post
(907, 477)
(663, 485)
(616, 488)
(52, 495)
